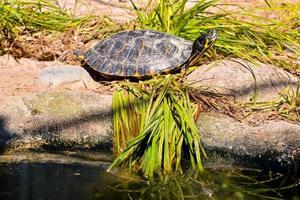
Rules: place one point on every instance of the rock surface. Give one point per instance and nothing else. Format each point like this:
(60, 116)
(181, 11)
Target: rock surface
(68, 76)
(41, 117)
(56, 120)
(77, 120)
(242, 80)
(273, 143)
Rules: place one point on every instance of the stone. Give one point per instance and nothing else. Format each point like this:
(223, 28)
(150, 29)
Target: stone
(67, 76)
(56, 119)
(83, 120)
(272, 143)
(242, 80)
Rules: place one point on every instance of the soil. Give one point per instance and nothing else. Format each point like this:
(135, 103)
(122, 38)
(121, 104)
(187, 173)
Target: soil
(18, 76)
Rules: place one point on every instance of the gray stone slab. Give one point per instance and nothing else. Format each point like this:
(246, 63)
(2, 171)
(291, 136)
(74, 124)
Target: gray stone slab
(57, 120)
(243, 80)
(68, 76)
(273, 142)
(83, 120)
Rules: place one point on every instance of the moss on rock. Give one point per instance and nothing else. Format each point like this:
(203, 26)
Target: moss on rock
(56, 104)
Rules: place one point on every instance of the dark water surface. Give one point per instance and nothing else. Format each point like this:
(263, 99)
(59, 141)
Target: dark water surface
(66, 177)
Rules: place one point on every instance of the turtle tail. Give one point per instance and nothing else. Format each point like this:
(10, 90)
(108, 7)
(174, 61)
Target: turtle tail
(78, 53)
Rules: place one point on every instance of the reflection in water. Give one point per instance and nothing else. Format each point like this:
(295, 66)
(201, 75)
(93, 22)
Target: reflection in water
(49, 181)
(58, 181)
(219, 184)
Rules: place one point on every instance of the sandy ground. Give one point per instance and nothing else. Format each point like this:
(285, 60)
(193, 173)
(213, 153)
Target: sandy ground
(19, 76)
(118, 10)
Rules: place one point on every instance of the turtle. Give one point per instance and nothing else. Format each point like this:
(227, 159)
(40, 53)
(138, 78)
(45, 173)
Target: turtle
(142, 54)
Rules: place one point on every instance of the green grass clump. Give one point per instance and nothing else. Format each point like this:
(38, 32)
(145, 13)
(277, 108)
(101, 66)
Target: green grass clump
(42, 30)
(155, 131)
(18, 17)
(241, 34)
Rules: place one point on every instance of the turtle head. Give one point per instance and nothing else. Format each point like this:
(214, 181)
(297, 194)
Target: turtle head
(204, 42)
(200, 45)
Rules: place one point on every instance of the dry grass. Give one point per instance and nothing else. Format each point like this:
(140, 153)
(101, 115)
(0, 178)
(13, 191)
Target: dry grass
(47, 46)
(42, 30)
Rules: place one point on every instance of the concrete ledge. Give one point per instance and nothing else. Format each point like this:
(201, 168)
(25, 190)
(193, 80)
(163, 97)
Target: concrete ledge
(83, 120)
(57, 120)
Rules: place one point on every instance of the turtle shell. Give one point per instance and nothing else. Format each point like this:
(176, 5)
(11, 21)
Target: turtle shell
(138, 53)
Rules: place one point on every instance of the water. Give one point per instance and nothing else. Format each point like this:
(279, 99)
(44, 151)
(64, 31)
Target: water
(78, 176)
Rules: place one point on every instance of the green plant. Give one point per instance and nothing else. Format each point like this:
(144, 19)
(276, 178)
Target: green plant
(19, 17)
(43, 30)
(154, 127)
(241, 33)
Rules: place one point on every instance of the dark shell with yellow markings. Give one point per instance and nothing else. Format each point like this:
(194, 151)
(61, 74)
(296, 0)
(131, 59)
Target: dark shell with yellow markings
(138, 53)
